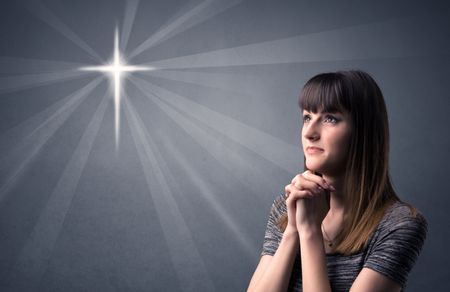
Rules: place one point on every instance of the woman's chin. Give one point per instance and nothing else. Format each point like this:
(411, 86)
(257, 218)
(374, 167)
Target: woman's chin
(315, 167)
(325, 169)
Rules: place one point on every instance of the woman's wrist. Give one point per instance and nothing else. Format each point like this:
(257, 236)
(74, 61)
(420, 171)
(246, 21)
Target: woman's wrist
(309, 230)
(290, 233)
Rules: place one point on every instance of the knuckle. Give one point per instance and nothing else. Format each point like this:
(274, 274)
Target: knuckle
(294, 195)
(310, 194)
(300, 194)
(287, 188)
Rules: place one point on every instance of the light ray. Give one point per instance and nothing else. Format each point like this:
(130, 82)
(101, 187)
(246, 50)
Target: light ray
(37, 8)
(273, 149)
(13, 137)
(118, 69)
(194, 16)
(238, 165)
(21, 82)
(229, 82)
(12, 165)
(385, 39)
(183, 251)
(207, 192)
(35, 255)
(15, 65)
(130, 14)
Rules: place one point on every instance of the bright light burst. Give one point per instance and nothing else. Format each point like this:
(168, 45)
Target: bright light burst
(117, 68)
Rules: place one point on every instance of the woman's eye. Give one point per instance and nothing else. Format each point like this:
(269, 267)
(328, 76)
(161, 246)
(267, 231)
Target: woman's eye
(331, 119)
(306, 118)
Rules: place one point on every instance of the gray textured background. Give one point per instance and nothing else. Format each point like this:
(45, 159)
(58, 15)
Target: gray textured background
(206, 141)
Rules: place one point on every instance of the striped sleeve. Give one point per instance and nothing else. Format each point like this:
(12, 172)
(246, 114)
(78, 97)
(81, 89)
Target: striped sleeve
(273, 235)
(398, 245)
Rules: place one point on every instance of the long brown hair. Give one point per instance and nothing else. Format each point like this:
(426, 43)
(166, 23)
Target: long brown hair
(367, 185)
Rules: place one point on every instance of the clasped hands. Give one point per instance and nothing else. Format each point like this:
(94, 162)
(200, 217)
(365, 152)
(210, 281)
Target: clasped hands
(307, 201)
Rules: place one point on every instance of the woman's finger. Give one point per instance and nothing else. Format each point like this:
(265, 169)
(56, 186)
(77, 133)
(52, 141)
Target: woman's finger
(301, 180)
(294, 193)
(303, 184)
(308, 175)
(287, 189)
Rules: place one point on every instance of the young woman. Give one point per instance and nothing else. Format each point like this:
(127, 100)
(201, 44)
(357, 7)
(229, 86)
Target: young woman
(340, 225)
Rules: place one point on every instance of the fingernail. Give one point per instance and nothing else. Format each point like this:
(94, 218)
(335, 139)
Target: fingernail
(332, 188)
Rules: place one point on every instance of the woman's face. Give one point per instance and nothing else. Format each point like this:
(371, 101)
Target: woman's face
(326, 139)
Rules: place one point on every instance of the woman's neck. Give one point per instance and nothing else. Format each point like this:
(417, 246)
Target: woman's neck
(333, 221)
(337, 198)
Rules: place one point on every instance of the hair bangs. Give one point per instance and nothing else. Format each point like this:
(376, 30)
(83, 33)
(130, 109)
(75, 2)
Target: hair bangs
(324, 93)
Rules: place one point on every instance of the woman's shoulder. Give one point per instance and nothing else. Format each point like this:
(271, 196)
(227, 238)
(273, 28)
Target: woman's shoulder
(397, 242)
(405, 217)
(400, 212)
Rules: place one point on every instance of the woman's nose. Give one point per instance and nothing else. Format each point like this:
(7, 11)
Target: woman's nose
(311, 132)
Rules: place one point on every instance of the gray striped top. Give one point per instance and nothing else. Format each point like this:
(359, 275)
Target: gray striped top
(392, 249)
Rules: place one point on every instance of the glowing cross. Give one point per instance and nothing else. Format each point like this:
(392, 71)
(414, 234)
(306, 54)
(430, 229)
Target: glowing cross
(117, 69)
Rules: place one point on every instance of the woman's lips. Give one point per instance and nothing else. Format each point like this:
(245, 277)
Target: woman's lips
(313, 150)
